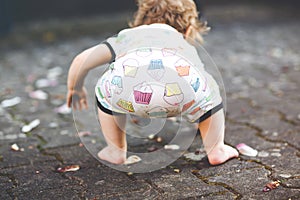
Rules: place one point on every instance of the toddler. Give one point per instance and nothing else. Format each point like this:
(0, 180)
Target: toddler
(158, 78)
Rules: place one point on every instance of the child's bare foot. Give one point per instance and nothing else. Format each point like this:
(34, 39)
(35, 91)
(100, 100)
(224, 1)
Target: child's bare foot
(221, 154)
(112, 155)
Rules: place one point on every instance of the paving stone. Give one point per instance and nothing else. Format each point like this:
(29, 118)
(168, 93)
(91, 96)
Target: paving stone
(182, 185)
(30, 155)
(241, 183)
(259, 61)
(5, 186)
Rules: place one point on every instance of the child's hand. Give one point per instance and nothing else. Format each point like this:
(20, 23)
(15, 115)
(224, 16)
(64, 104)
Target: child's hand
(77, 98)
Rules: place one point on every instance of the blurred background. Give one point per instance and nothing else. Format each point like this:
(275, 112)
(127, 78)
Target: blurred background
(51, 20)
(255, 45)
(31, 10)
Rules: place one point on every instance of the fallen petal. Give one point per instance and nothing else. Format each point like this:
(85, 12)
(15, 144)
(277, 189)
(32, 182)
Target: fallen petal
(266, 189)
(31, 125)
(70, 168)
(63, 109)
(26, 129)
(285, 175)
(53, 125)
(15, 147)
(276, 154)
(10, 102)
(159, 139)
(171, 147)
(151, 136)
(246, 150)
(34, 123)
(194, 156)
(272, 185)
(100, 182)
(38, 94)
(132, 159)
(42, 83)
(152, 149)
(54, 72)
(263, 154)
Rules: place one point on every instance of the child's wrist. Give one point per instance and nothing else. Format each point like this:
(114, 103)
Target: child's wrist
(75, 86)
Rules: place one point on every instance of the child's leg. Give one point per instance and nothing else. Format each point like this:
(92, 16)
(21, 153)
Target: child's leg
(113, 129)
(212, 133)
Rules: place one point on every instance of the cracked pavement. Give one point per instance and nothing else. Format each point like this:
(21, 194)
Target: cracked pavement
(259, 60)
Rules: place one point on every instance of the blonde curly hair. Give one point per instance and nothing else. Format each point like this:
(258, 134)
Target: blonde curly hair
(180, 14)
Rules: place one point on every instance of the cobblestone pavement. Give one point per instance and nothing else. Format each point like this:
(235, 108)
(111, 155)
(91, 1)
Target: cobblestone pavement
(259, 59)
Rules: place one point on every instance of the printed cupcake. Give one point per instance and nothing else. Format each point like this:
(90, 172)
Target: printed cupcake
(182, 67)
(117, 85)
(173, 94)
(126, 105)
(156, 69)
(130, 67)
(142, 93)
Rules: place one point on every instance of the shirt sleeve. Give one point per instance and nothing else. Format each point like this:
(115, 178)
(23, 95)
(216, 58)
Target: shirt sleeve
(110, 43)
(113, 54)
(120, 43)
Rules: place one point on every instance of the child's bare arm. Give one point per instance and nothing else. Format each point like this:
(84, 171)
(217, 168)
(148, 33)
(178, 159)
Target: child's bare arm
(81, 65)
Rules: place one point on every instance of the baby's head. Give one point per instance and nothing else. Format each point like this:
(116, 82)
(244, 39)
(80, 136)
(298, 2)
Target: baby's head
(180, 14)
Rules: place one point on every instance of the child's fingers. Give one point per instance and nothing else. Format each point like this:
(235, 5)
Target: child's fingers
(81, 104)
(84, 103)
(69, 100)
(76, 100)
